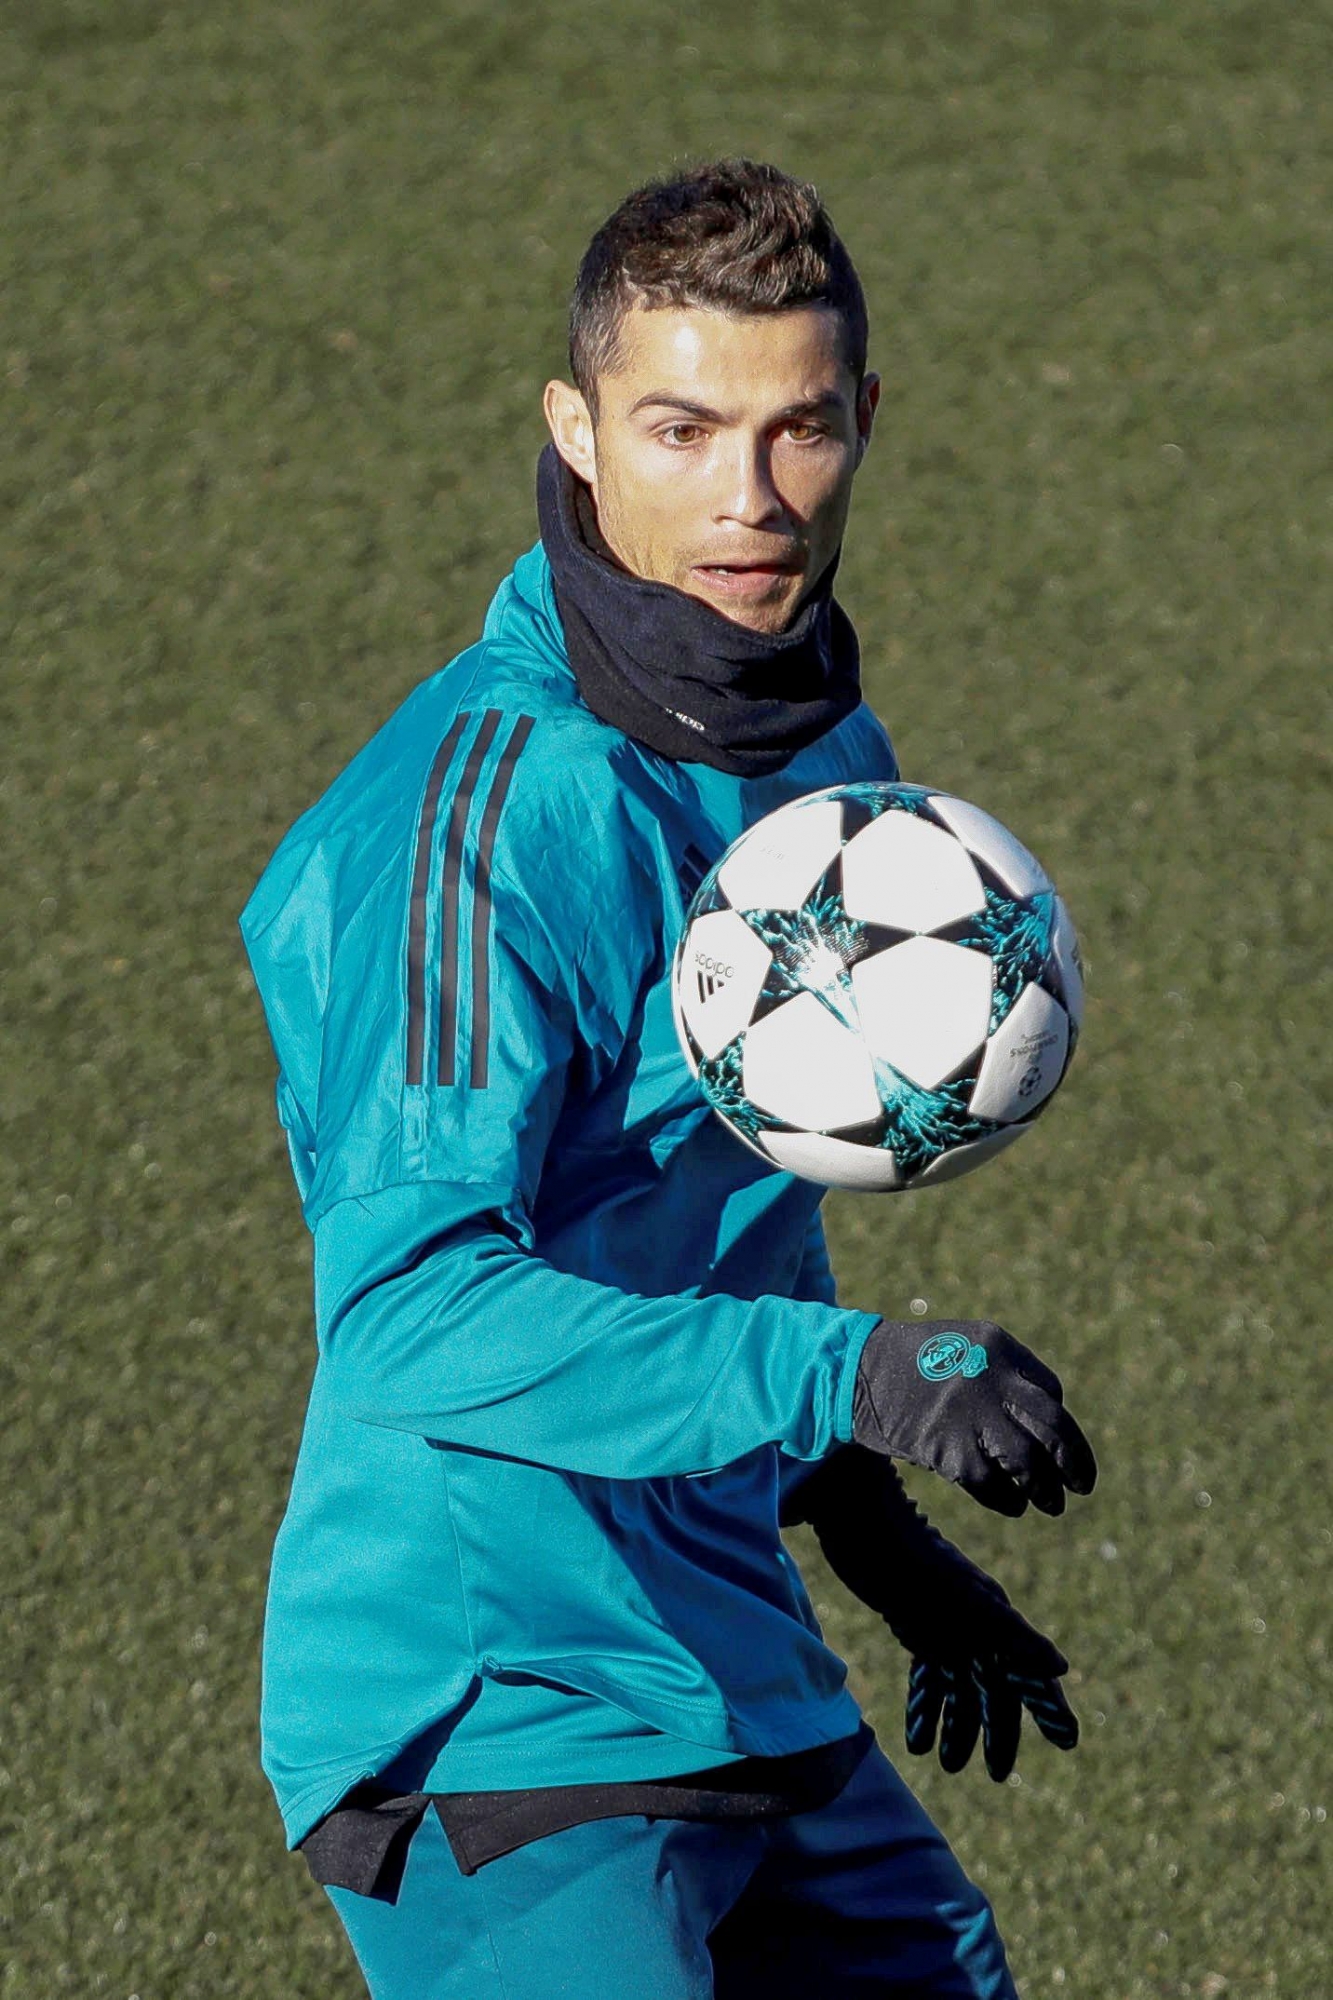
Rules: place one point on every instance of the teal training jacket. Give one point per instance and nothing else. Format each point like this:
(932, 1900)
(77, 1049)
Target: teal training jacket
(571, 1332)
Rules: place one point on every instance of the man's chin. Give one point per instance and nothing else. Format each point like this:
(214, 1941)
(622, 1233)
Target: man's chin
(769, 612)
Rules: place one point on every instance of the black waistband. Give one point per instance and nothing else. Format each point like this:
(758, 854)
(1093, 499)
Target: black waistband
(362, 1845)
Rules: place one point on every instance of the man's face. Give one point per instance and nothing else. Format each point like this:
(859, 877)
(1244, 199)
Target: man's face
(722, 457)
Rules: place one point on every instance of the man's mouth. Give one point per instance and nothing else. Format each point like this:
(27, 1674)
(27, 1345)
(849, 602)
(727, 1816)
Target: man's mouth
(745, 579)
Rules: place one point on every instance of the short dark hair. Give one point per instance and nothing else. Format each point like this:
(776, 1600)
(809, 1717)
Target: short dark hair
(732, 235)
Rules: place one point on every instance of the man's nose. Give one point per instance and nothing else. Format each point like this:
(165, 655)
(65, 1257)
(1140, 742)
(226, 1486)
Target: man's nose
(746, 492)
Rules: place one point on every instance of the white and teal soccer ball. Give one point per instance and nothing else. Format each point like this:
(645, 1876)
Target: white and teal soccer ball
(878, 987)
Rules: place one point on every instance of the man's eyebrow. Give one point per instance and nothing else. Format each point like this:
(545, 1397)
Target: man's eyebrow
(810, 406)
(665, 399)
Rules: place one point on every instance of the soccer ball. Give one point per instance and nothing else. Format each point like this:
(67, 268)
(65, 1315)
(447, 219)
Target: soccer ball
(877, 987)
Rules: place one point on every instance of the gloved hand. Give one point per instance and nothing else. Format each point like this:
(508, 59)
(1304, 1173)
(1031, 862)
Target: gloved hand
(977, 1663)
(965, 1399)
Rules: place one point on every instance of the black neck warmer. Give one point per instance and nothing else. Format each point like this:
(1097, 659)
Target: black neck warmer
(675, 674)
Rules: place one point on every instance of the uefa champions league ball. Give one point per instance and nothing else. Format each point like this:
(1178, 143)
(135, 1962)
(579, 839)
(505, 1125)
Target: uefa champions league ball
(877, 987)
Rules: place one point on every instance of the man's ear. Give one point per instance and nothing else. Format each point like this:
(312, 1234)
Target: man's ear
(867, 402)
(571, 429)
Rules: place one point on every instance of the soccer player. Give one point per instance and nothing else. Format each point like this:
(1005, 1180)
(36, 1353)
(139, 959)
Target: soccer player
(545, 1702)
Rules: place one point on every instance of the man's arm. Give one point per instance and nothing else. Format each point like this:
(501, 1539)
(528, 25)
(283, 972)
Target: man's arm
(977, 1664)
(435, 1318)
(815, 1282)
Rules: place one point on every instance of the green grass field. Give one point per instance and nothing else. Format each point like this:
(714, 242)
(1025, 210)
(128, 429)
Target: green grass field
(282, 286)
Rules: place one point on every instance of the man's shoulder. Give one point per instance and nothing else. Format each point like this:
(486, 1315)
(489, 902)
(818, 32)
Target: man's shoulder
(515, 677)
(500, 726)
(505, 751)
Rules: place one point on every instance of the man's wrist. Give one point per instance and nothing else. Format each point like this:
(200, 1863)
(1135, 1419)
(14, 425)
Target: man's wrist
(851, 1365)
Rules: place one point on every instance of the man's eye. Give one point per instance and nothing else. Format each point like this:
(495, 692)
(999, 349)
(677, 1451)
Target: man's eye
(805, 433)
(683, 433)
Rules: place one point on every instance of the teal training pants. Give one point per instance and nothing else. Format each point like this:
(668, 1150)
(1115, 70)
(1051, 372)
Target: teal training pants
(863, 1897)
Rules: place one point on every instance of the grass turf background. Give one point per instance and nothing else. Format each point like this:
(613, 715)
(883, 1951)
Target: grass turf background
(283, 285)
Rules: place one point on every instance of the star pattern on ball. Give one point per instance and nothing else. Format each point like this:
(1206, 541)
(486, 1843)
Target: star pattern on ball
(1015, 934)
(815, 948)
(918, 1126)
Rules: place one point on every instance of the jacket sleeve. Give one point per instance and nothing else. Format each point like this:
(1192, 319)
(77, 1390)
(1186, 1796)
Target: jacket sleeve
(815, 1282)
(435, 1317)
(435, 1313)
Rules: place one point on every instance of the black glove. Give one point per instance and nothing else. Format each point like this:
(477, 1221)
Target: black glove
(965, 1399)
(977, 1663)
